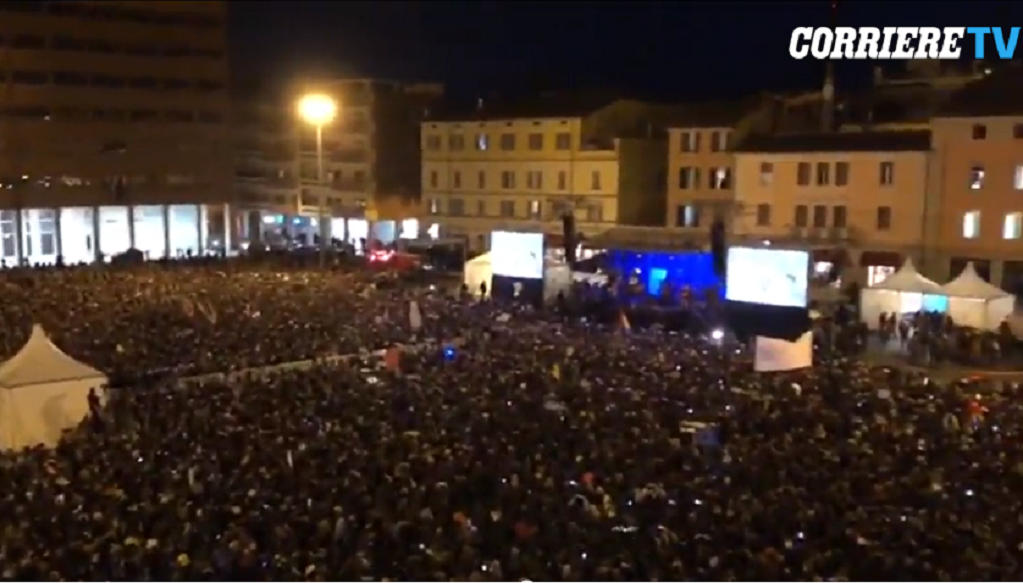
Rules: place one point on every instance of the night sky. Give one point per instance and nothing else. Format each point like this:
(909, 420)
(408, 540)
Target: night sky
(680, 50)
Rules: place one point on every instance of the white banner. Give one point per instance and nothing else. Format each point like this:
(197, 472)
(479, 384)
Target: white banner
(773, 354)
(415, 318)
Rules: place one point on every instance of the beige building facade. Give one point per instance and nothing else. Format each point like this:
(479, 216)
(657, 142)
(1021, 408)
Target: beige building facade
(113, 129)
(858, 199)
(505, 170)
(978, 177)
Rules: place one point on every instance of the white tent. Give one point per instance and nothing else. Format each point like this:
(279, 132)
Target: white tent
(43, 392)
(903, 292)
(479, 270)
(976, 303)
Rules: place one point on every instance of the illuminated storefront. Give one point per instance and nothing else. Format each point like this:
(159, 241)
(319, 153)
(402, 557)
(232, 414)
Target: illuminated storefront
(86, 234)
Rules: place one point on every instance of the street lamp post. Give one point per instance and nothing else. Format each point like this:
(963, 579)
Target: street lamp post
(319, 110)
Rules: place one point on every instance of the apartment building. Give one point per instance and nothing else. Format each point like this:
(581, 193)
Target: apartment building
(113, 129)
(978, 182)
(701, 172)
(857, 198)
(371, 157)
(524, 166)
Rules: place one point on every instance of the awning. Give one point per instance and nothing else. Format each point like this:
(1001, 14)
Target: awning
(880, 259)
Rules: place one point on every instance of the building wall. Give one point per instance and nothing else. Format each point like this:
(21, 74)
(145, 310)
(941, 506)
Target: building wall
(370, 152)
(472, 190)
(862, 197)
(113, 103)
(692, 203)
(584, 167)
(642, 172)
(997, 196)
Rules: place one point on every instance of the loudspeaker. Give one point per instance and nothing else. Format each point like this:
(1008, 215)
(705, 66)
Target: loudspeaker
(568, 233)
(717, 247)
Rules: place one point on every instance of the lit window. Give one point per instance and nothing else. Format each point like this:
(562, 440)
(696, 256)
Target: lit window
(976, 178)
(482, 142)
(1012, 228)
(971, 225)
(1017, 179)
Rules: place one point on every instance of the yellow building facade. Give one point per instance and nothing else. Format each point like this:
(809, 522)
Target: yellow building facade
(856, 198)
(526, 173)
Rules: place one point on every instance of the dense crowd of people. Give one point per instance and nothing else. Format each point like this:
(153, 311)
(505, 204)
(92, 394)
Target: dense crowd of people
(505, 443)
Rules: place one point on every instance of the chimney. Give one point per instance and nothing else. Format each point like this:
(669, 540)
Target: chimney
(828, 91)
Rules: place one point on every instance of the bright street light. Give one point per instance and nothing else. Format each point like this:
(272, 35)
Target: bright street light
(319, 110)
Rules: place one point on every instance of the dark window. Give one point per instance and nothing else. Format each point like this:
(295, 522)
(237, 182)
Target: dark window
(67, 8)
(206, 85)
(142, 83)
(29, 41)
(40, 113)
(107, 81)
(803, 174)
(70, 114)
(174, 84)
(143, 115)
(180, 116)
(802, 215)
(1017, 131)
(884, 218)
(66, 78)
(101, 46)
(979, 131)
(30, 77)
(820, 216)
(763, 215)
(211, 117)
(841, 173)
(840, 217)
(109, 114)
(208, 53)
(176, 52)
(139, 50)
(22, 6)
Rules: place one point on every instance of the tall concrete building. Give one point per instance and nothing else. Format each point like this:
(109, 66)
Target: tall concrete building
(524, 165)
(113, 129)
(370, 158)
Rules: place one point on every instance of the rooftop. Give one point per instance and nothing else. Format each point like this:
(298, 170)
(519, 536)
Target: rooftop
(560, 104)
(715, 114)
(901, 141)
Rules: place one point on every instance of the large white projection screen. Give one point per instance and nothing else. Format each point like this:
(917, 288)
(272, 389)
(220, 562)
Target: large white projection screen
(773, 277)
(518, 255)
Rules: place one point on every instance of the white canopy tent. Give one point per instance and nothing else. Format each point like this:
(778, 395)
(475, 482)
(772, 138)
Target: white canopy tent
(43, 392)
(974, 302)
(478, 270)
(903, 292)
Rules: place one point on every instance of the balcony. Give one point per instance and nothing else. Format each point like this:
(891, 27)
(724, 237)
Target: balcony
(350, 156)
(350, 185)
(280, 154)
(251, 174)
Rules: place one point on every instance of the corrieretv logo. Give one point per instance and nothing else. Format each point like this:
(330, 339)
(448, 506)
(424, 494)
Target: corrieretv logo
(903, 42)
